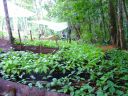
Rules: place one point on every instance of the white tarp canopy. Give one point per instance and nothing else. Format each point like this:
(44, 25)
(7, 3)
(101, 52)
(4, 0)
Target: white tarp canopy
(53, 25)
(14, 10)
(58, 26)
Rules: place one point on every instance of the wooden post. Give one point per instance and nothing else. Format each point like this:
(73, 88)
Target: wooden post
(40, 49)
(31, 35)
(11, 39)
(19, 35)
(19, 39)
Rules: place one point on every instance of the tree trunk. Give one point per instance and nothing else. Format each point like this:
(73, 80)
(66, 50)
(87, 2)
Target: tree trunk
(113, 25)
(125, 9)
(8, 22)
(90, 28)
(121, 37)
(69, 35)
(126, 14)
(77, 28)
(103, 21)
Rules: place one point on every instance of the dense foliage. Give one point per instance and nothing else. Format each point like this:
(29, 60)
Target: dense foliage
(92, 17)
(98, 20)
(81, 70)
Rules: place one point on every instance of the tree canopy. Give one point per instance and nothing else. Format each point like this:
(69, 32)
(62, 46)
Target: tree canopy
(94, 17)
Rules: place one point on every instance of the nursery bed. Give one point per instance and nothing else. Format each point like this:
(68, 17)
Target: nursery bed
(23, 90)
(35, 49)
(6, 46)
(78, 71)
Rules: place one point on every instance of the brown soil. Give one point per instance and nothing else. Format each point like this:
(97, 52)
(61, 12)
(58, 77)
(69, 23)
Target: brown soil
(5, 45)
(107, 47)
(35, 49)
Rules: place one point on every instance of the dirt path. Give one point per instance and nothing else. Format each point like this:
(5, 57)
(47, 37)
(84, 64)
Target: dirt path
(4, 45)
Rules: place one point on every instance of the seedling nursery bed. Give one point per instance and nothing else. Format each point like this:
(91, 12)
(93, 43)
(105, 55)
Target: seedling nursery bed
(18, 89)
(28, 90)
(25, 90)
(67, 71)
(9, 87)
(35, 49)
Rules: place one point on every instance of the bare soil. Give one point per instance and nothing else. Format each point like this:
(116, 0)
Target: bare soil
(5, 45)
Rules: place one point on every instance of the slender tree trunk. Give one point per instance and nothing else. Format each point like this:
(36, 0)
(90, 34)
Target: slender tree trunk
(90, 28)
(8, 22)
(126, 14)
(31, 35)
(121, 37)
(101, 38)
(77, 28)
(103, 20)
(125, 9)
(113, 25)
(69, 35)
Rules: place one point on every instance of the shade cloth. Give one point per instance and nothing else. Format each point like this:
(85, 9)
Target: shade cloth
(14, 10)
